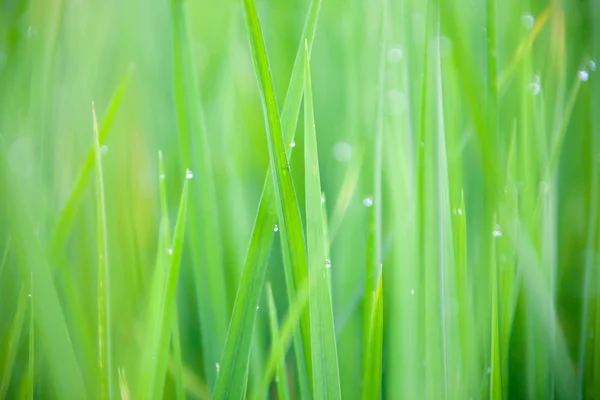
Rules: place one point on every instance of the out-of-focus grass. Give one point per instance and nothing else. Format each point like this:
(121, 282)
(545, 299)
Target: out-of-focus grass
(462, 185)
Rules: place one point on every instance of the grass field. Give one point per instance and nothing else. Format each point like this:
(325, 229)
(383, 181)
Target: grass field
(436, 234)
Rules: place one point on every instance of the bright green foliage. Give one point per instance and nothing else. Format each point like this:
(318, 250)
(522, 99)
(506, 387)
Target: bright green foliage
(437, 236)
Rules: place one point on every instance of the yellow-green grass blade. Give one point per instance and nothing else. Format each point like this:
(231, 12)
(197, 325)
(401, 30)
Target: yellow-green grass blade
(169, 302)
(288, 211)
(234, 364)
(12, 344)
(325, 371)
(373, 366)
(281, 379)
(105, 365)
(69, 210)
(209, 275)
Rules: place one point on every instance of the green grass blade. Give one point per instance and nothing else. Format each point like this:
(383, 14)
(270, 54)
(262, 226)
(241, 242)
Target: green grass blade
(69, 210)
(12, 344)
(288, 211)
(325, 371)
(104, 321)
(237, 348)
(283, 390)
(168, 306)
(209, 274)
(176, 343)
(373, 365)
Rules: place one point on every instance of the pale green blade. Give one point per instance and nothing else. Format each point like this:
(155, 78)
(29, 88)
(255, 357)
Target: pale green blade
(104, 321)
(325, 371)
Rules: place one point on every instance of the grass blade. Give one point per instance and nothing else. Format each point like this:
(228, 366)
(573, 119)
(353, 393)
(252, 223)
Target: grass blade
(237, 348)
(104, 321)
(211, 291)
(283, 390)
(168, 306)
(325, 371)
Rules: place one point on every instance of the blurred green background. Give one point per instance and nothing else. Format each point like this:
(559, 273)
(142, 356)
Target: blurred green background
(489, 193)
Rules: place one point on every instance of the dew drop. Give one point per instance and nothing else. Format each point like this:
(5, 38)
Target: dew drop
(457, 211)
(218, 367)
(535, 86)
(170, 251)
(497, 231)
(322, 197)
(162, 176)
(592, 65)
(327, 263)
(342, 152)
(412, 292)
(488, 370)
(527, 20)
(29, 294)
(293, 144)
(257, 307)
(368, 201)
(583, 75)
(395, 55)
(276, 228)
(103, 150)
(188, 174)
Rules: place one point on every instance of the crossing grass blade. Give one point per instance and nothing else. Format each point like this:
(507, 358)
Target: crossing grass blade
(237, 347)
(104, 322)
(69, 210)
(325, 371)
(288, 211)
(283, 390)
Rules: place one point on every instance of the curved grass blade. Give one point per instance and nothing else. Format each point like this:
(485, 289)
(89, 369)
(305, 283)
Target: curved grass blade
(104, 328)
(325, 371)
(283, 390)
(69, 210)
(234, 365)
